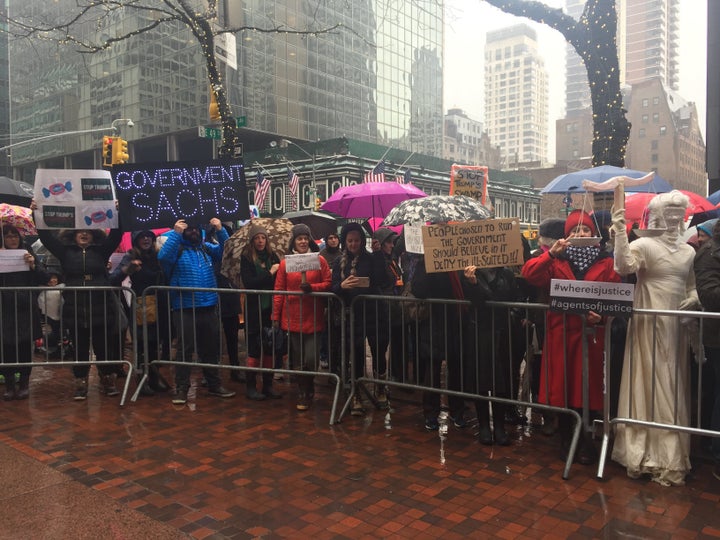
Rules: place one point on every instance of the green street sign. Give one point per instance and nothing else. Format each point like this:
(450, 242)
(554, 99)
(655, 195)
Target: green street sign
(209, 133)
(241, 121)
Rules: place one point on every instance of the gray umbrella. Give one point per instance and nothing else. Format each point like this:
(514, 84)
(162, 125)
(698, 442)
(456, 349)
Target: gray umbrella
(14, 192)
(436, 209)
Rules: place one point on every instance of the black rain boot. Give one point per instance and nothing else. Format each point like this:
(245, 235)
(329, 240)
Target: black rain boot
(146, 388)
(252, 392)
(23, 390)
(565, 431)
(501, 436)
(9, 394)
(268, 390)
(156, 381)
(483, 415)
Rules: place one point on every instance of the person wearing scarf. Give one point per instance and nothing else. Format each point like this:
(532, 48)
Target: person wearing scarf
(561, 373)
(654, 384)
(258, 267)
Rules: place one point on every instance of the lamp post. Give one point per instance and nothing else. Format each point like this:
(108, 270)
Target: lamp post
(313, 187)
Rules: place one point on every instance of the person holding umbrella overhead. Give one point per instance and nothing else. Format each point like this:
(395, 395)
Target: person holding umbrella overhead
(20, 316)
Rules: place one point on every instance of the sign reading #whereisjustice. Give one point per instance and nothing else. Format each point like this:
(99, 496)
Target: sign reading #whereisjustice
(574, 296)
(153, 195)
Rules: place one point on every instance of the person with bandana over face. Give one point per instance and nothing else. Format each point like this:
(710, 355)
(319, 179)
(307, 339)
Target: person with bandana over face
(561, 373)
(654, 384)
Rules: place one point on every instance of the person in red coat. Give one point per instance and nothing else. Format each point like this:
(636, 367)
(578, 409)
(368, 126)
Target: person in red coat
(302, 317)
(561, 377)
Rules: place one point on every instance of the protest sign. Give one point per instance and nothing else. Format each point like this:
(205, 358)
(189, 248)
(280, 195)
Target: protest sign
(74, 199)
(575, 296)
(413, 239)
(153, 195)
(13, 260)
(487, 243)
(302, 262)
(469, 180)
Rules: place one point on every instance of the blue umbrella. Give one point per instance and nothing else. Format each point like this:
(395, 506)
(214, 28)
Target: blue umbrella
(714, 197)
(572, 182)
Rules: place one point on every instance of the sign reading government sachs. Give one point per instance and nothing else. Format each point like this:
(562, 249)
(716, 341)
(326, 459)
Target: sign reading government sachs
(154, 195)
(74, 199)
(485, 243)
(469, 180)
(572, 296)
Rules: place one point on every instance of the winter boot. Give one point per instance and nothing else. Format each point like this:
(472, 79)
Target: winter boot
(252, 392)
(268, 390)
(499, 433)
(23, 391)
(81, 389)
(156, 380)
(146, 388)
(483, 415)
(108, 384)
(9, 394)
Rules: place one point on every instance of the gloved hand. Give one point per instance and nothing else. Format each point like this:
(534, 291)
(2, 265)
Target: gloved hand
(689, 304)
(306, 287)
(618, 220)
(276, 324)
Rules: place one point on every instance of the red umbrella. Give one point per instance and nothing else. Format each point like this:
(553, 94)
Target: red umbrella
(636, 205)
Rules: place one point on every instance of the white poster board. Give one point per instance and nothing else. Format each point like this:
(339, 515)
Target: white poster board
(74, 199)
(13, 260)
(302, 262)
(413, 239)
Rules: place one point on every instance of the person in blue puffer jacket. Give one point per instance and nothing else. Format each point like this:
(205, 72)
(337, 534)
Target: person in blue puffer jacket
(188, 262)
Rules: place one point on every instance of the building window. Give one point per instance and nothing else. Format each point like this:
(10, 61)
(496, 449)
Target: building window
(656, 118)
(641, 133)
(654, 158)
(644, 118)
(663, 130)
(656, 100)
(645, 103)
(653, 145)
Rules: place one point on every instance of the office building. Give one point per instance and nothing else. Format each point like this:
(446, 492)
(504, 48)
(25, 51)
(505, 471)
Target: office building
(516, 95)
(379, 82)
(467, 143)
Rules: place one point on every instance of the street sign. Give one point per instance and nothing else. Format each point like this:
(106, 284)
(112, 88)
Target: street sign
(241, 121)
(209, 133)
(238, 150)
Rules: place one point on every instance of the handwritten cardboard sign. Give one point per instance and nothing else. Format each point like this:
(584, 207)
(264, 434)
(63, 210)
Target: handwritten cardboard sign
(413, 239)
(74, 199)
(469, 180)
(486, 243)
(153, 195)
(302, 262)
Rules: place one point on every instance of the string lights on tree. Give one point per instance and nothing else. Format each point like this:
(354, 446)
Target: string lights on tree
(593, 36)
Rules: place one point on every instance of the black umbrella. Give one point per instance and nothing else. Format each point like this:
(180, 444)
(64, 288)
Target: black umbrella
(320, 223)
(14, 192)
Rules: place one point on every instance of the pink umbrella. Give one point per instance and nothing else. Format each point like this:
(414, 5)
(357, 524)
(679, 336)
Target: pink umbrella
(374, 222)
(19, 217)
(636, 205)
(372, 199)
(126, 242)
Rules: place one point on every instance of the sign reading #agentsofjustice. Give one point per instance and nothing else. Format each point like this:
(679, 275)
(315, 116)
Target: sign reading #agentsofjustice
(74, 199)
(153, 195)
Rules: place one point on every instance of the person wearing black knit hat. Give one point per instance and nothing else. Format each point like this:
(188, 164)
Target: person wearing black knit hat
(302, 317)
(356, 273)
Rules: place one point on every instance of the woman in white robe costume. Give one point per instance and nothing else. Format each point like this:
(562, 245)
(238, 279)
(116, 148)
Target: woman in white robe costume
(665, 281)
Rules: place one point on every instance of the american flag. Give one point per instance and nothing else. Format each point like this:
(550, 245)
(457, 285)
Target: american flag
(293, 182)
(377, 174)
(262, 186)
(404, 178)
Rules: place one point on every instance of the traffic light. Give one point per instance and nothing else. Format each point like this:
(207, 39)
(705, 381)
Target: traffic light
(107, 151)
(213, 108)
(120, 151)
(318, 202)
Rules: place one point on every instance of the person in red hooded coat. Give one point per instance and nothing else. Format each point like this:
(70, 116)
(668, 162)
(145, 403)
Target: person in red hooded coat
(561, 376)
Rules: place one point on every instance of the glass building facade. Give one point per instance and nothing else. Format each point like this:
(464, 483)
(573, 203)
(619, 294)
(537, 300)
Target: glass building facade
(377, 78)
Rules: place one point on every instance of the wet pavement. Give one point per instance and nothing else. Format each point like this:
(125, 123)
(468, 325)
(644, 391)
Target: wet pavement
(236, 468)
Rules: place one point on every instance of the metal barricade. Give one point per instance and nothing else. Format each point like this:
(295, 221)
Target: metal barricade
(449, 337)
(92, 317)
(681, 368)
(157, 339)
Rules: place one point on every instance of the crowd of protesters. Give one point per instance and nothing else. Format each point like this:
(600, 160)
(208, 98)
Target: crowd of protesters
(456, 342)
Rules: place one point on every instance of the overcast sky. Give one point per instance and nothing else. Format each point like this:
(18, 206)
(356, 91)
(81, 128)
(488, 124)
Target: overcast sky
(466, 22)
